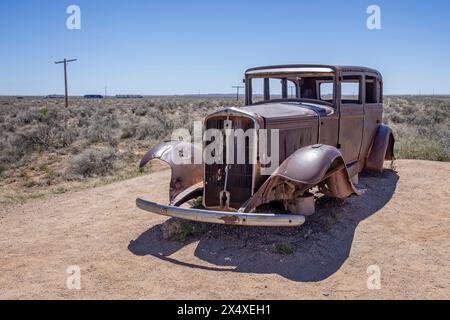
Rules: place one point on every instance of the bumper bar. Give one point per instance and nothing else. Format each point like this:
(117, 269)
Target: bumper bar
(221, 217)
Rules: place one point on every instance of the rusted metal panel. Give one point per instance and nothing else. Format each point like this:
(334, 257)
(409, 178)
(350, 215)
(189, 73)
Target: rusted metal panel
(185, 172)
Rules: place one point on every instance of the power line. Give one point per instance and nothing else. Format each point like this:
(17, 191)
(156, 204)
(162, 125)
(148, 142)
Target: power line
(66, 95)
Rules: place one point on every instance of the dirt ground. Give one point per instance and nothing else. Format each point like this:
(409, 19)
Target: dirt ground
(401, 224)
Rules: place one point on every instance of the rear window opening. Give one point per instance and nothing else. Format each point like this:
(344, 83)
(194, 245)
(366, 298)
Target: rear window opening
(373, 90)
(351, 90)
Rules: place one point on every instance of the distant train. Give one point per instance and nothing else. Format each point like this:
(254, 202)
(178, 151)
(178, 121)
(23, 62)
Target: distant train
(129, 96)
(93, 96)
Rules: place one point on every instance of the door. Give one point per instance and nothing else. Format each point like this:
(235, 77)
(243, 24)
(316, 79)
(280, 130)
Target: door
(373, 111)
(351, 121)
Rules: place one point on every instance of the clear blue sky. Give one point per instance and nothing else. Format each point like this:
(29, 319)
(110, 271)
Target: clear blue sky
(177, 47)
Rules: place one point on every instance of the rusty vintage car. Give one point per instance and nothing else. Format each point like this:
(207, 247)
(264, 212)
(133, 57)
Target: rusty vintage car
(329, 128)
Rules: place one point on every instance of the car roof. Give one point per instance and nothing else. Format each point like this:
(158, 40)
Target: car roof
(313, 68)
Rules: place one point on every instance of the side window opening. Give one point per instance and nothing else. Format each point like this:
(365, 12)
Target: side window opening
(257, 89)
(326, 91)
(372, 94)
(308, 88)
(275, 87)
(350, 90)
(292, 92)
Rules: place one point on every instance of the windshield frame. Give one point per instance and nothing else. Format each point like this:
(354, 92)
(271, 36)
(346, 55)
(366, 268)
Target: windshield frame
(283, 75)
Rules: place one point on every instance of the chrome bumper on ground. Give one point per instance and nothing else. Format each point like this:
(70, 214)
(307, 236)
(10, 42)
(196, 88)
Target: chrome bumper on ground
(221, 217)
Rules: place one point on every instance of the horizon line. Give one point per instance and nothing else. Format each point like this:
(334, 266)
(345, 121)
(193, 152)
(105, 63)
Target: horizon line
(193, 94)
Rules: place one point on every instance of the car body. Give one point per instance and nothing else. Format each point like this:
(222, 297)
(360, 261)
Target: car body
(325, 123)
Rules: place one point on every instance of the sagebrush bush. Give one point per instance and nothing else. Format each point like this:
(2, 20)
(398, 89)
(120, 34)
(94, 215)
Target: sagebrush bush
(180, 230)
(150, 129)
(99, 132)
(42, 137)
(140, 110)
(128, 130)
(283, 248)
(29, 116)
(91, 162)
(418, 147)
(50, 137)
(197, 203)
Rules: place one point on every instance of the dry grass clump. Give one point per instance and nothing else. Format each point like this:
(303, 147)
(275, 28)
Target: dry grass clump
(91, 162)
(283, 248)
(180, 230)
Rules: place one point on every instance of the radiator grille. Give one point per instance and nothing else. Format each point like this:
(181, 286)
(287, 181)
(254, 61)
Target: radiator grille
(239, 184)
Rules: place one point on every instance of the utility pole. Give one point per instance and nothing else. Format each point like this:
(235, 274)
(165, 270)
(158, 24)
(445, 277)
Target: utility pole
(290, 89)
(237, 91)
(106, 91)
(66, 95)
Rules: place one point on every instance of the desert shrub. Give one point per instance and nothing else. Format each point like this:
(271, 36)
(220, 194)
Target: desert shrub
(103, 127)
(419, 147)
(140, 110)
(101, 132)
(150, 128)
(22, 143)
(83, 114)
(10, 155)
(43, 111)
(128, 130)
(60, 190)
(29, 116)
(42, 136)
(6, 127)
(3, 166)
(91, 162)
(180, 230)
(283, 248)
(197, 203)
(11, 160)
(39, 135)
(5, 160)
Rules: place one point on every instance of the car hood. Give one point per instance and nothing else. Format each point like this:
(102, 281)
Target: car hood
(294, 109)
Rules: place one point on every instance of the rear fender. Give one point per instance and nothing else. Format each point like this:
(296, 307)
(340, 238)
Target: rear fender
(318, 165)
(382, 149)
(179, 155)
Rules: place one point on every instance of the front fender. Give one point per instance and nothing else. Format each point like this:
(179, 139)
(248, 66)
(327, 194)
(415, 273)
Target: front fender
(317, 165)
(179, 155)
